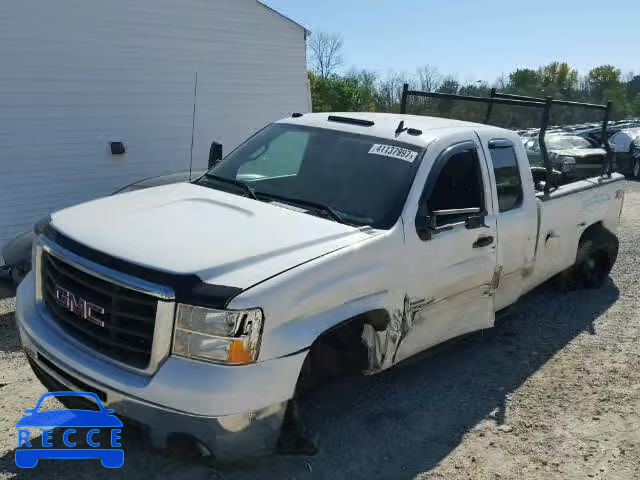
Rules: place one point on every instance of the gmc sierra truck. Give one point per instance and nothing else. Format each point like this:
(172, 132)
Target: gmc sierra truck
(325, 244)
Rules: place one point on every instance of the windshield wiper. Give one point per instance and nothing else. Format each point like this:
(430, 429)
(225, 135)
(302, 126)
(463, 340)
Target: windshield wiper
(315, 205)
(247, 189)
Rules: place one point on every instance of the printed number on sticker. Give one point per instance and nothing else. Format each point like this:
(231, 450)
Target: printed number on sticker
(393, 152)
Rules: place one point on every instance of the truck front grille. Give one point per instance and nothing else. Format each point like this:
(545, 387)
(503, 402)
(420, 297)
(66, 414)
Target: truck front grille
(113, 320)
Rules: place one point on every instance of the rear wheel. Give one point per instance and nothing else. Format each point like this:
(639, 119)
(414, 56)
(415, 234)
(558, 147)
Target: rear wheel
(597, 253)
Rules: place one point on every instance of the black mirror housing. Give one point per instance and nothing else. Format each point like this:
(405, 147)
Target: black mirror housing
(475, 221)
(215, 154)
(425, 223)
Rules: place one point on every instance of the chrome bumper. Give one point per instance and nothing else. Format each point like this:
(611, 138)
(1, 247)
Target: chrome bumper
(234, 412)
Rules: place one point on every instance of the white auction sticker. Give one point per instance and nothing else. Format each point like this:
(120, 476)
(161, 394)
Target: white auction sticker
(394, 152)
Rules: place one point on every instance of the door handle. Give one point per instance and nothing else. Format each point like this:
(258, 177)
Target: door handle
(483, 242)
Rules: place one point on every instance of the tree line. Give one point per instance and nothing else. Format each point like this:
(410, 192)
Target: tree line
(364, 90)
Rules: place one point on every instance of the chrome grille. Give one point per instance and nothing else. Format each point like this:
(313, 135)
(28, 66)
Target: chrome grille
(128, 320)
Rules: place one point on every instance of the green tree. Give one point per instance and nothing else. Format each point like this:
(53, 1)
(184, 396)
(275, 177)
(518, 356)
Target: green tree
(558, 78)
(604, 77)
(524, 81)
(355, 91)
(449, 85)
(633, 86)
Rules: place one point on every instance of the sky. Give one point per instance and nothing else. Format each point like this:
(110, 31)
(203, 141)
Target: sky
(476, 39)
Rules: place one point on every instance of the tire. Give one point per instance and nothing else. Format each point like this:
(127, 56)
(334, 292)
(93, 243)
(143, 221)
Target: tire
(597, 253)
(635, 171)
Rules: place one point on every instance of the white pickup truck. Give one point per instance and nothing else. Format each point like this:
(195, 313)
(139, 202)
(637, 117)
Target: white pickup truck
(325, 244)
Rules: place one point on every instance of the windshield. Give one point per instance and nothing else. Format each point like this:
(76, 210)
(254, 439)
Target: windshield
(357, 179)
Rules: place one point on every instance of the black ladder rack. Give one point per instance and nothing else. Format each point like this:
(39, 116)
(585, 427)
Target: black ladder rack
(543, 104)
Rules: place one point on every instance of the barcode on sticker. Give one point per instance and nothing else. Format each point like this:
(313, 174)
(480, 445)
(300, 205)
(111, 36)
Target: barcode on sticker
(393, 152)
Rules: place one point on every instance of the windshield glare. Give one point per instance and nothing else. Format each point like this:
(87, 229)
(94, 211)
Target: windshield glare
(564, 143)
(364, 179)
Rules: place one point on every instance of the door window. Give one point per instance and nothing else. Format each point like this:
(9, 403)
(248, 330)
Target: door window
(458, 186)
(507, 173)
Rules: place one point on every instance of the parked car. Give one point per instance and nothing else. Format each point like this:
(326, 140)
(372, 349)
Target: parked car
(17, 252)
(326, 244)
(576, 157)
(626, 145)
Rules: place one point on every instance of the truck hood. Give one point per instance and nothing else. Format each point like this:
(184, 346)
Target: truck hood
(222, 238)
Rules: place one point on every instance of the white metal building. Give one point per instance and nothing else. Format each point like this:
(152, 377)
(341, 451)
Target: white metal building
(76, 75)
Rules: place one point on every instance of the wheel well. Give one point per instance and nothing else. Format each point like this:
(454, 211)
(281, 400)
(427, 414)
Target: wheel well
(592, 230)
(340, 351)
(602, 240)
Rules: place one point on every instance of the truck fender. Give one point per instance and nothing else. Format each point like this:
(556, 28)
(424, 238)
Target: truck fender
(364, 342)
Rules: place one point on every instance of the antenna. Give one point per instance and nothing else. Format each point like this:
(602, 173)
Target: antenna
(193, 123)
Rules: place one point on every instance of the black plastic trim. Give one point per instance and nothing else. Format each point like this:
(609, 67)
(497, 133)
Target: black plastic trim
(353, 121)
(500, 143)
(188, 288)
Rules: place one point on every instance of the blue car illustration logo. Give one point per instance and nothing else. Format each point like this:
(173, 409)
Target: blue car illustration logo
(66, 420)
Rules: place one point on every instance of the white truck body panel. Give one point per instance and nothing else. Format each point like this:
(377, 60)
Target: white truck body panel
(568, 212)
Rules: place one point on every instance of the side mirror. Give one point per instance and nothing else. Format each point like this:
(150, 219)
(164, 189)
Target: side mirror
(427, 223)
(215, 154)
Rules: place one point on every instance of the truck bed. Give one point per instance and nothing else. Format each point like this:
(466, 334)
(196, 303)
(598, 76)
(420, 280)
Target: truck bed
(564, 214)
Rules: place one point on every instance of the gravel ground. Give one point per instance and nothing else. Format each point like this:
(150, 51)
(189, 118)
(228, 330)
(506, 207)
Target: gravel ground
(553, 392)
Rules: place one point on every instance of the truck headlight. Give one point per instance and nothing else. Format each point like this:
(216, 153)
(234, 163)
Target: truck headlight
(222, 336)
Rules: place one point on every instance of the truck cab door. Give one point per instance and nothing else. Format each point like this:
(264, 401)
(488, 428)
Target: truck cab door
(451, 238)
(516, 215)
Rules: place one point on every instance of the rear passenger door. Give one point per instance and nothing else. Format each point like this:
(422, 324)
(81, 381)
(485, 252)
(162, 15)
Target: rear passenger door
(516, 215)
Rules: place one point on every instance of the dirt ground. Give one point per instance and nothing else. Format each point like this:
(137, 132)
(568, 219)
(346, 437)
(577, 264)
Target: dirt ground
(553, 392)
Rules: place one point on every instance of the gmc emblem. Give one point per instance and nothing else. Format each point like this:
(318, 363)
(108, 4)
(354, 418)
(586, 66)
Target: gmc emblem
(84, 309)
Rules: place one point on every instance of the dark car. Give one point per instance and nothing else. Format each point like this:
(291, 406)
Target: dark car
(575, 156)
(17, 252)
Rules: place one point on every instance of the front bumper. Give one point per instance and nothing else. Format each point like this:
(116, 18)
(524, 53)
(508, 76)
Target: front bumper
(233, 411)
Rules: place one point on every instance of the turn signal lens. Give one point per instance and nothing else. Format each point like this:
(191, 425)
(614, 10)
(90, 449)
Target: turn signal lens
(240, 353)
